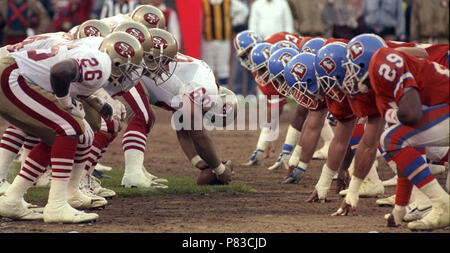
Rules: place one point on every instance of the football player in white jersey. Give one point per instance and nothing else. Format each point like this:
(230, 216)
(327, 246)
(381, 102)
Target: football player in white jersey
(139, 115)
(187, 85)
(40, 95)
(14, 138)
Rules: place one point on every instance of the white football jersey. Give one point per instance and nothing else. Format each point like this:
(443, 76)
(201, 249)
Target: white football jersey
(192, 77)
(94, 67)
(37, 41)
(127, 84)
(114, 21)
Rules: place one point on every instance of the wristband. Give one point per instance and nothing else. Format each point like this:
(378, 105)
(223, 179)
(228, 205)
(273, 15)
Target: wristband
(65, 101)
(220, 169)
(195, 160)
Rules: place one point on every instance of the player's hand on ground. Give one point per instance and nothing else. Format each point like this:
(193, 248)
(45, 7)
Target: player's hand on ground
(295, 177)
(282, 161)
(226, 176)
(345, 209)
(255, 159)
(314, 197)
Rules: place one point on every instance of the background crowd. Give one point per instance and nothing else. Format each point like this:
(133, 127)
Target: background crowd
(216, 22)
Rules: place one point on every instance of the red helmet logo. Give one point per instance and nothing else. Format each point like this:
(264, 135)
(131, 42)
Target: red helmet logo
(266, 52)
(328, 65)
(151, 18)
(291, 38)
(356, 50)
(91, 31)
(306, 50)
(285, 44)
(285, 58)
(299, 70)
(254, 36)
(138, 34)
(159, 42)
(124, 49)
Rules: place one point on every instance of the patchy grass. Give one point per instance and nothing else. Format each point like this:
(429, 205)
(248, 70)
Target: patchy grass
(177, 185)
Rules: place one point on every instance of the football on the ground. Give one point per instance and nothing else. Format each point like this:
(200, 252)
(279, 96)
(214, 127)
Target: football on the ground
(207, 177)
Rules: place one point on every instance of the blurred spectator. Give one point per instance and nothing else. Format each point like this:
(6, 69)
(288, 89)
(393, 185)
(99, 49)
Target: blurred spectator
(22, 18)
(270, 16)
(48, 5)
(243, 81)
(407, 4)
(308, 20)
(385, 18)
(113, 7)
(75, 13)
(97, 9)
(172, 23)
(429, 21)
(346, 18)
(219, 16)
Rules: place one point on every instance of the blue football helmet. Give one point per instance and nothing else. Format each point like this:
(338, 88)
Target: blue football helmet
(243, 43)
(283, 44)
(312, 45)
(259, 56)
(300, 76)
(330, 73)
(277, 61)
(359, 52)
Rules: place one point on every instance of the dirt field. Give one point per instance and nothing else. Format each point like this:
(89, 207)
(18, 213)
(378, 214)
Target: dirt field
(272, 208)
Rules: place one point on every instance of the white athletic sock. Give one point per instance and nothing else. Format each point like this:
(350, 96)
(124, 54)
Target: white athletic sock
(6, 158)
(433, 190)
(24, 155)
(263, 139)
(292, 136)
(134, 159)
(75, 177)
(57, 196)
(18, 188)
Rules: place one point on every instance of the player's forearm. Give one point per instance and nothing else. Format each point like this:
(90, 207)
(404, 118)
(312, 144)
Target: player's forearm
(339, 144)
(311, 134)
(61, 75)
(205, 148)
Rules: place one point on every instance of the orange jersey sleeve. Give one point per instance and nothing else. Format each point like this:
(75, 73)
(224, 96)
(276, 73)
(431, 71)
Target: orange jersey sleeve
(391, 72)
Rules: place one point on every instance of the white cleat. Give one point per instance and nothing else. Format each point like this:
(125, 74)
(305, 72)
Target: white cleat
(416, 212)
(389, 201)
(438, 217)
(101, 167)
(153, 177)
(67, 214)
(81, 201)
(367, 190)
(17, 211)
(139, 180)
(390, 182)
(98, 190)
(4, 186)
(321, 154)
(44, 180)
(256, 159)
